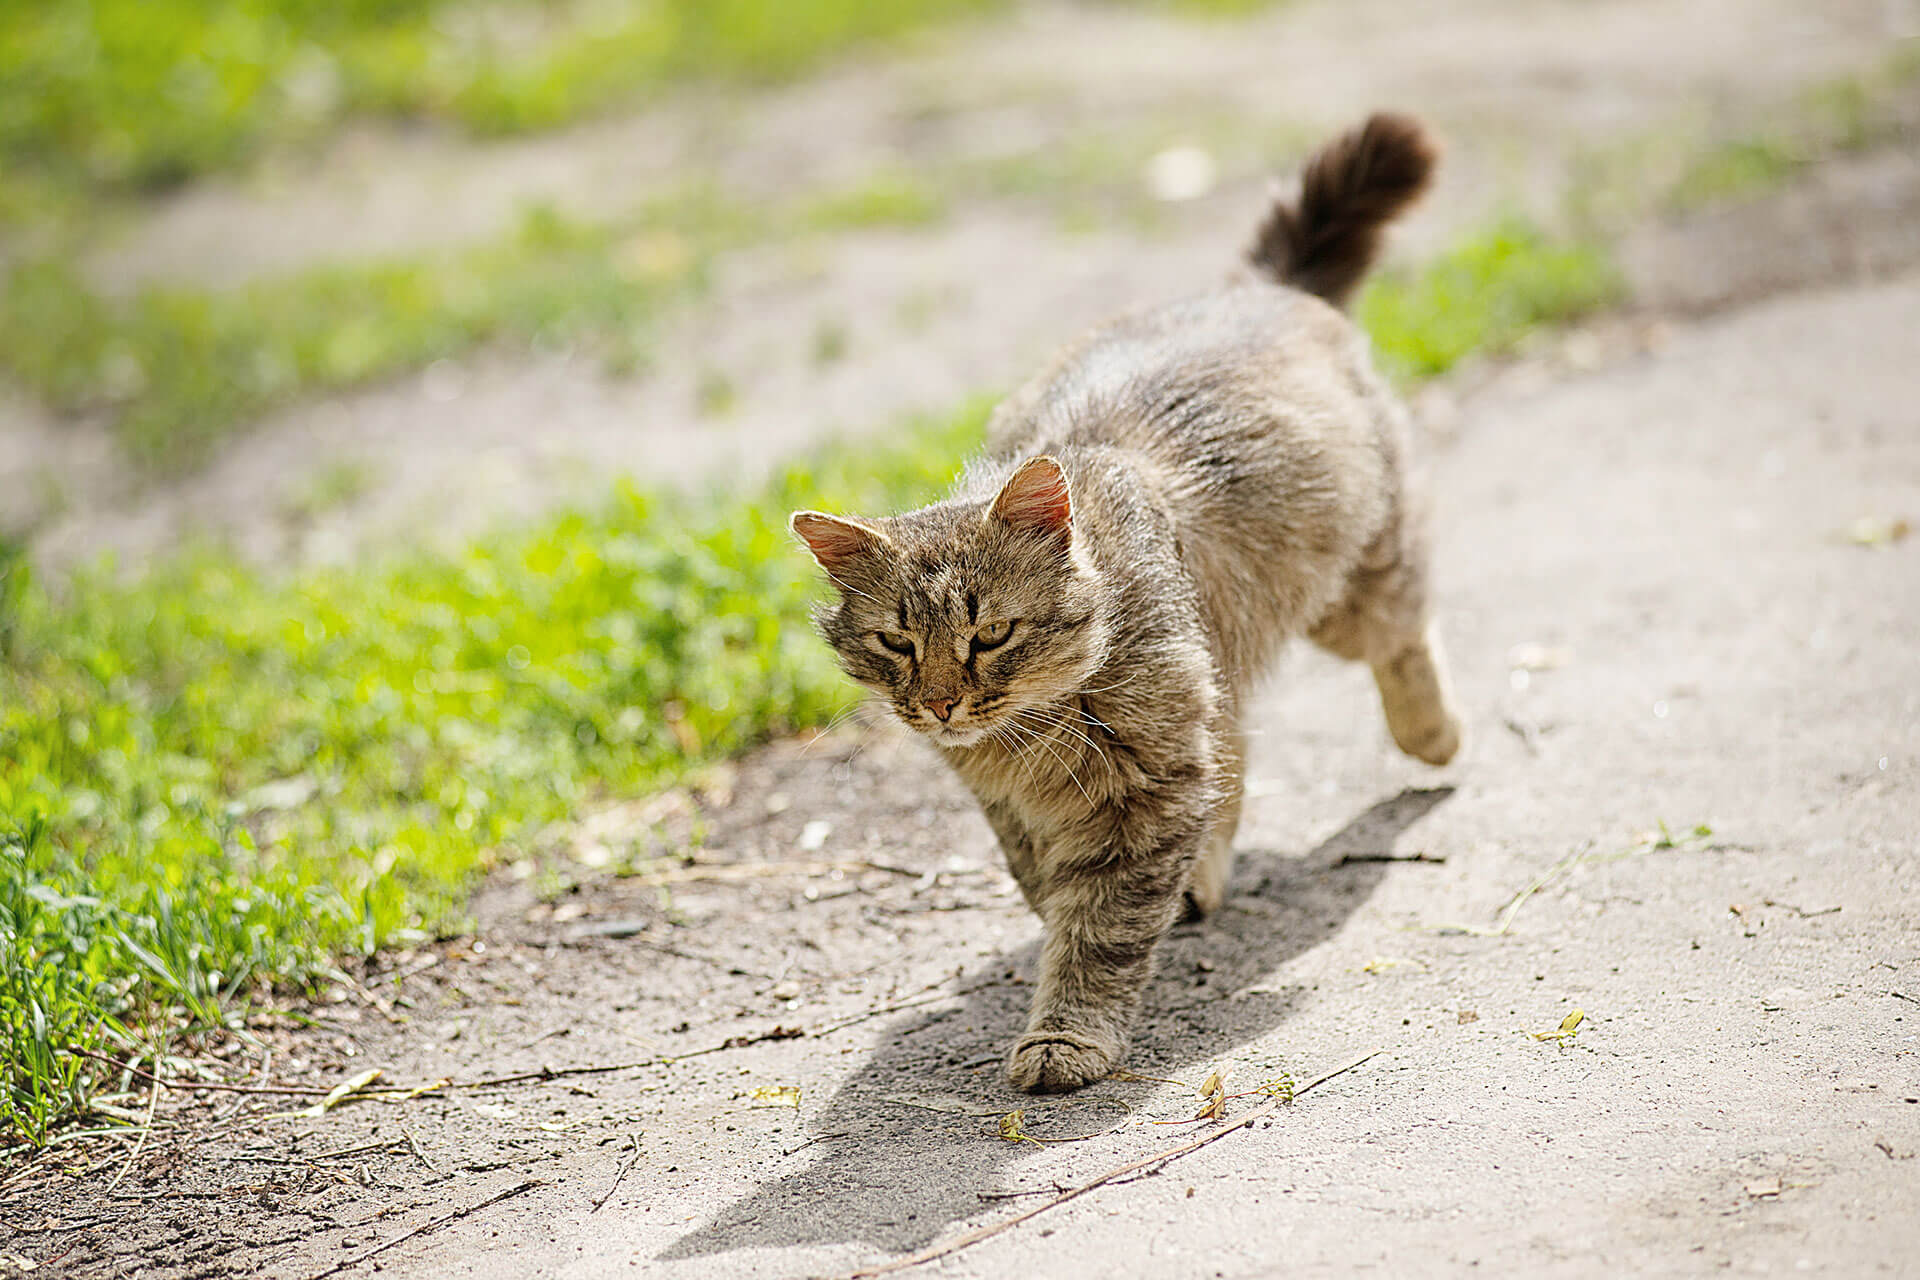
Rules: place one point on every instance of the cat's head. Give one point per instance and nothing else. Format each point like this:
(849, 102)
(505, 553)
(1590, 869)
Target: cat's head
(970, 618)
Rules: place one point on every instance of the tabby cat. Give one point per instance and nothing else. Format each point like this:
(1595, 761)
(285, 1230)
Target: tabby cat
(1078, 626)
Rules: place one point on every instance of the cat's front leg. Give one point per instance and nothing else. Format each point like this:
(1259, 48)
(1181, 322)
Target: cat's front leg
(1103, 921)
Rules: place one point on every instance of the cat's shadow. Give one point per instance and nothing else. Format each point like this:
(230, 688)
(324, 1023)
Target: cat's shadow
(907, 1145)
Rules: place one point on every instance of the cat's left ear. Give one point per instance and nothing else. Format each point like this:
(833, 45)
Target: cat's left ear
(1035, 500)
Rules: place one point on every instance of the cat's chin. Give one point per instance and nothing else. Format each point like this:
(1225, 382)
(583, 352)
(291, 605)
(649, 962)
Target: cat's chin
(948, 736)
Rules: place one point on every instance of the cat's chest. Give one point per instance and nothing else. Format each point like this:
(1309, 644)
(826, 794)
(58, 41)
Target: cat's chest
(1053, 780)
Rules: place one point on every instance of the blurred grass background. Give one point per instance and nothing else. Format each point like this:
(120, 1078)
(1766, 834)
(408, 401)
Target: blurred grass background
(213, 778)
(107, 96)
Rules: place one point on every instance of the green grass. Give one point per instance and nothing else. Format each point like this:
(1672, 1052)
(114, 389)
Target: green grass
(109, 96)
(883, 199)
(1483, 296)
(210, 778)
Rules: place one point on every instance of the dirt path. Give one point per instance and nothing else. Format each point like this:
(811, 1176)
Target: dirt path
(1522, 92)
(1662, 539)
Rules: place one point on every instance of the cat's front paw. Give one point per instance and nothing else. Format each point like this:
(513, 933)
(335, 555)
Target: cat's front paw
(1056, 1061)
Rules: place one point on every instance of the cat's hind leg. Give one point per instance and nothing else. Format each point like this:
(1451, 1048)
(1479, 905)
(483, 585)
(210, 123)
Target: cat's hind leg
(1382, 621)
(1207, 891)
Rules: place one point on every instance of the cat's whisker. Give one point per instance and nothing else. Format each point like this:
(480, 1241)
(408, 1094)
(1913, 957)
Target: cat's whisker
(1089, 717)
(1121, 684)
(1073, 777)
(1066, 726)
(833, 724)
(1000, 733)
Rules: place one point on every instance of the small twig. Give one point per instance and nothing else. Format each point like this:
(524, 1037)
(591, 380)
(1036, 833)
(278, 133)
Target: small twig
(435, 1225)
(1157, 1158)
(1347, 859)
(727, 871)
(1504, 924)
(361, 1150)
(301, 1090)
(914, 1003)
(625, 1165)
(146, 1130)
(1901, 995)
(1056, 1189)
(1802, 912)
(727, 965)
(547, 1073)
(820, 1137)
(414, 1146)
(545, 1036)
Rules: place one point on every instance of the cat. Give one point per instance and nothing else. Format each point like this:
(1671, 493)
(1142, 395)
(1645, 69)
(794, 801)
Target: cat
(1079, 625)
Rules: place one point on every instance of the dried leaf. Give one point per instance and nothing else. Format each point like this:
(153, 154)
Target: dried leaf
(1214, 1090)
(1873, 531)
(777, 1095)
(1010, 1130)
(341, 1093)
(1568, 1029)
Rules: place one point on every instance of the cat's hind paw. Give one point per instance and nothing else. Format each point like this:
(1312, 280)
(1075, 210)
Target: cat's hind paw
(1055, 1062)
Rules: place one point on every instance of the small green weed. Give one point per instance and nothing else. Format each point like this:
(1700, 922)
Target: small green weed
(1483, 296)
(885, 199)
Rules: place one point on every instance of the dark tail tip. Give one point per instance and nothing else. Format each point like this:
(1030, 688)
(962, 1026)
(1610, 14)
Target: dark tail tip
(1326, 240)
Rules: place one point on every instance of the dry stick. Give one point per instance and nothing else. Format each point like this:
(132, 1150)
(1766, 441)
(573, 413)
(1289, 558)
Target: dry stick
(724, 871)
(435, 1225)
(625, 1165)
(546, 1073)
(914, 1003)
(364, 1149)
(1159, 1157)
(146, 1131)
(303, 1090)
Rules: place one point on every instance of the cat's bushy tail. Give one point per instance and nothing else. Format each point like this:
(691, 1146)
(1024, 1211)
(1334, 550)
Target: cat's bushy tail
(1324, 241)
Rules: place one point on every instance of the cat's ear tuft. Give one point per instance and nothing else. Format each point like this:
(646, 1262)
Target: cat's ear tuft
(1035, 499)
(836, 541)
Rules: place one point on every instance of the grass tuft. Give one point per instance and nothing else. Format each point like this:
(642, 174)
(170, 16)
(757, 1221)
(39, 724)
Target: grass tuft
(1483, 296)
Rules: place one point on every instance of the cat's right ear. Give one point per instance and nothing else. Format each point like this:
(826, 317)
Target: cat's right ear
(837, 542)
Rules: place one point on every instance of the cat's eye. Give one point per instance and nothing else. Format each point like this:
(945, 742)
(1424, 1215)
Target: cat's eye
(992, 636)
(897, 642)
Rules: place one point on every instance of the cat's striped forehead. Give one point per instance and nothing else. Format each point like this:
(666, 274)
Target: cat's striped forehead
(939, 591)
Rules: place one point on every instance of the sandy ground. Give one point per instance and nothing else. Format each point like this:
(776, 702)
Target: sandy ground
(1664, 540)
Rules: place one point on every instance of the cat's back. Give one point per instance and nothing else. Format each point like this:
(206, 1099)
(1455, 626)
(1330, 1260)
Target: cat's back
(1253, 416)
(1251, 376)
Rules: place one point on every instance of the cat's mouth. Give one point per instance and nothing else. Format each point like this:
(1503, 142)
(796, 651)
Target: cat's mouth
(955, 735)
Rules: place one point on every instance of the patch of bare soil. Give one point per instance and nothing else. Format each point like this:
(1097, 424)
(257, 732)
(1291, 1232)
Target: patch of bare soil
(1664, 618)
(1853, 218)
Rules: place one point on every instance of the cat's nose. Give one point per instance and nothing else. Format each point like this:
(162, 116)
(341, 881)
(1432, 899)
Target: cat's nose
(941, 707)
